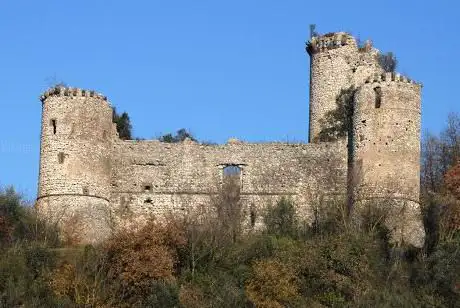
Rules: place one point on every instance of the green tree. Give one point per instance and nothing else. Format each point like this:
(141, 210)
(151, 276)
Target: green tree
(123, 123)
(180, 136)
(280, 220)
(337, 123)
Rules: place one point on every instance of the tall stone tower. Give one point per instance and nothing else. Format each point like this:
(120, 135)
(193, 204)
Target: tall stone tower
(336, 63)
(386, 153)
(75, 162)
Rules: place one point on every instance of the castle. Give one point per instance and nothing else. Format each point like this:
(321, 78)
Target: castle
(87, 171)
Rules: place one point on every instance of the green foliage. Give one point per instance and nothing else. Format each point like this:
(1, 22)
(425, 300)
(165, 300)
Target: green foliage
(123, 123)
(24, 271)
(337, 123)
(162, 294)
(280, 220)
(180, 136)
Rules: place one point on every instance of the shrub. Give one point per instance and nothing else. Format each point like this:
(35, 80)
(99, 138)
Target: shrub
(280, 220)
(137, 260)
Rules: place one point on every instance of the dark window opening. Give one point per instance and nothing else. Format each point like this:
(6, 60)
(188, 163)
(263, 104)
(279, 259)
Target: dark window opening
(148, 200)
(61, 157)
(147, 188)
(378, 97)
(85, 191)
(252, 216)
(53, 124)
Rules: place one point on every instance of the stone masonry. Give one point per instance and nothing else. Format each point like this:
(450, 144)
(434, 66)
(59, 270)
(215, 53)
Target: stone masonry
(91, 178)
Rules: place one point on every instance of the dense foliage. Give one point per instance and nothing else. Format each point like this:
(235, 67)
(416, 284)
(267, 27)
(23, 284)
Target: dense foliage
(215, 258)
(337, 123)
(180, 136)
(123, 124)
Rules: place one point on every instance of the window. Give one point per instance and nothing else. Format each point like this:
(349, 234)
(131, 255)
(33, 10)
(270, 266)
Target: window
(147, 188)
(148, 200)
(85, 191)
(61, 157)
(232, 170)
(252, 215)
(232, 175)
(53, 124)
(378, 97)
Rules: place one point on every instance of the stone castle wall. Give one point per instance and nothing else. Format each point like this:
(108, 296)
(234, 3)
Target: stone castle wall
(87, 172)
(155, 177)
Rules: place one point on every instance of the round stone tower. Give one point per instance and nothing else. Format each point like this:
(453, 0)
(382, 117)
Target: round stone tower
(75, 163)
(386, 154)
(336, 63)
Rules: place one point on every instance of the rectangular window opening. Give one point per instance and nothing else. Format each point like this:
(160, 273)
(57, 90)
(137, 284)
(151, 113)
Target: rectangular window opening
(61, 157)
(378, 97)
(53, 124)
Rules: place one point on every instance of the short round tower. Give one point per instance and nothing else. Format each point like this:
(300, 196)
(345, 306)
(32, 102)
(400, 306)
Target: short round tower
(75, 162)
(336, 63)
(386, 153)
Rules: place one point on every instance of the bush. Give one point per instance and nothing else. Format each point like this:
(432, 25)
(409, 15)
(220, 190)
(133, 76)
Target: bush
(137, 260)
(280, 220)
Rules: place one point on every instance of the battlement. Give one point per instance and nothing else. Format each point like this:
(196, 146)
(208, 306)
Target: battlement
(391, 77)
(329, 41)
(72, 92)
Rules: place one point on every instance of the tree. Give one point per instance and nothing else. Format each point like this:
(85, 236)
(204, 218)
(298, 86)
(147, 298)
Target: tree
(123, 124)
(337, 123)
(280, 220)
(388, 62)
(180, 136)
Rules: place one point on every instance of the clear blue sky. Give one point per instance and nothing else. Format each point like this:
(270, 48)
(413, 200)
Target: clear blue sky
(218, 68)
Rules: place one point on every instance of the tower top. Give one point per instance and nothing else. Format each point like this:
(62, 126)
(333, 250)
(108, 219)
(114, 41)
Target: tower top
(72, 92)
(391, 77)
(328, 41)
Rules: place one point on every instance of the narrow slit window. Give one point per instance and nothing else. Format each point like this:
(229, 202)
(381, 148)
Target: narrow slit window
(378, 97)
(61, 157)
(53, 125)
(252, 215)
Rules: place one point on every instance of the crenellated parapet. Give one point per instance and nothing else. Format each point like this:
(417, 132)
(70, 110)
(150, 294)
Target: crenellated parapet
(71, 92)
(329, 41)
(392, 76)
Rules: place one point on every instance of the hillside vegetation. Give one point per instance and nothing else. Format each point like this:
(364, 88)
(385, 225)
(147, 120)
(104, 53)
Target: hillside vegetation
(211, 260)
